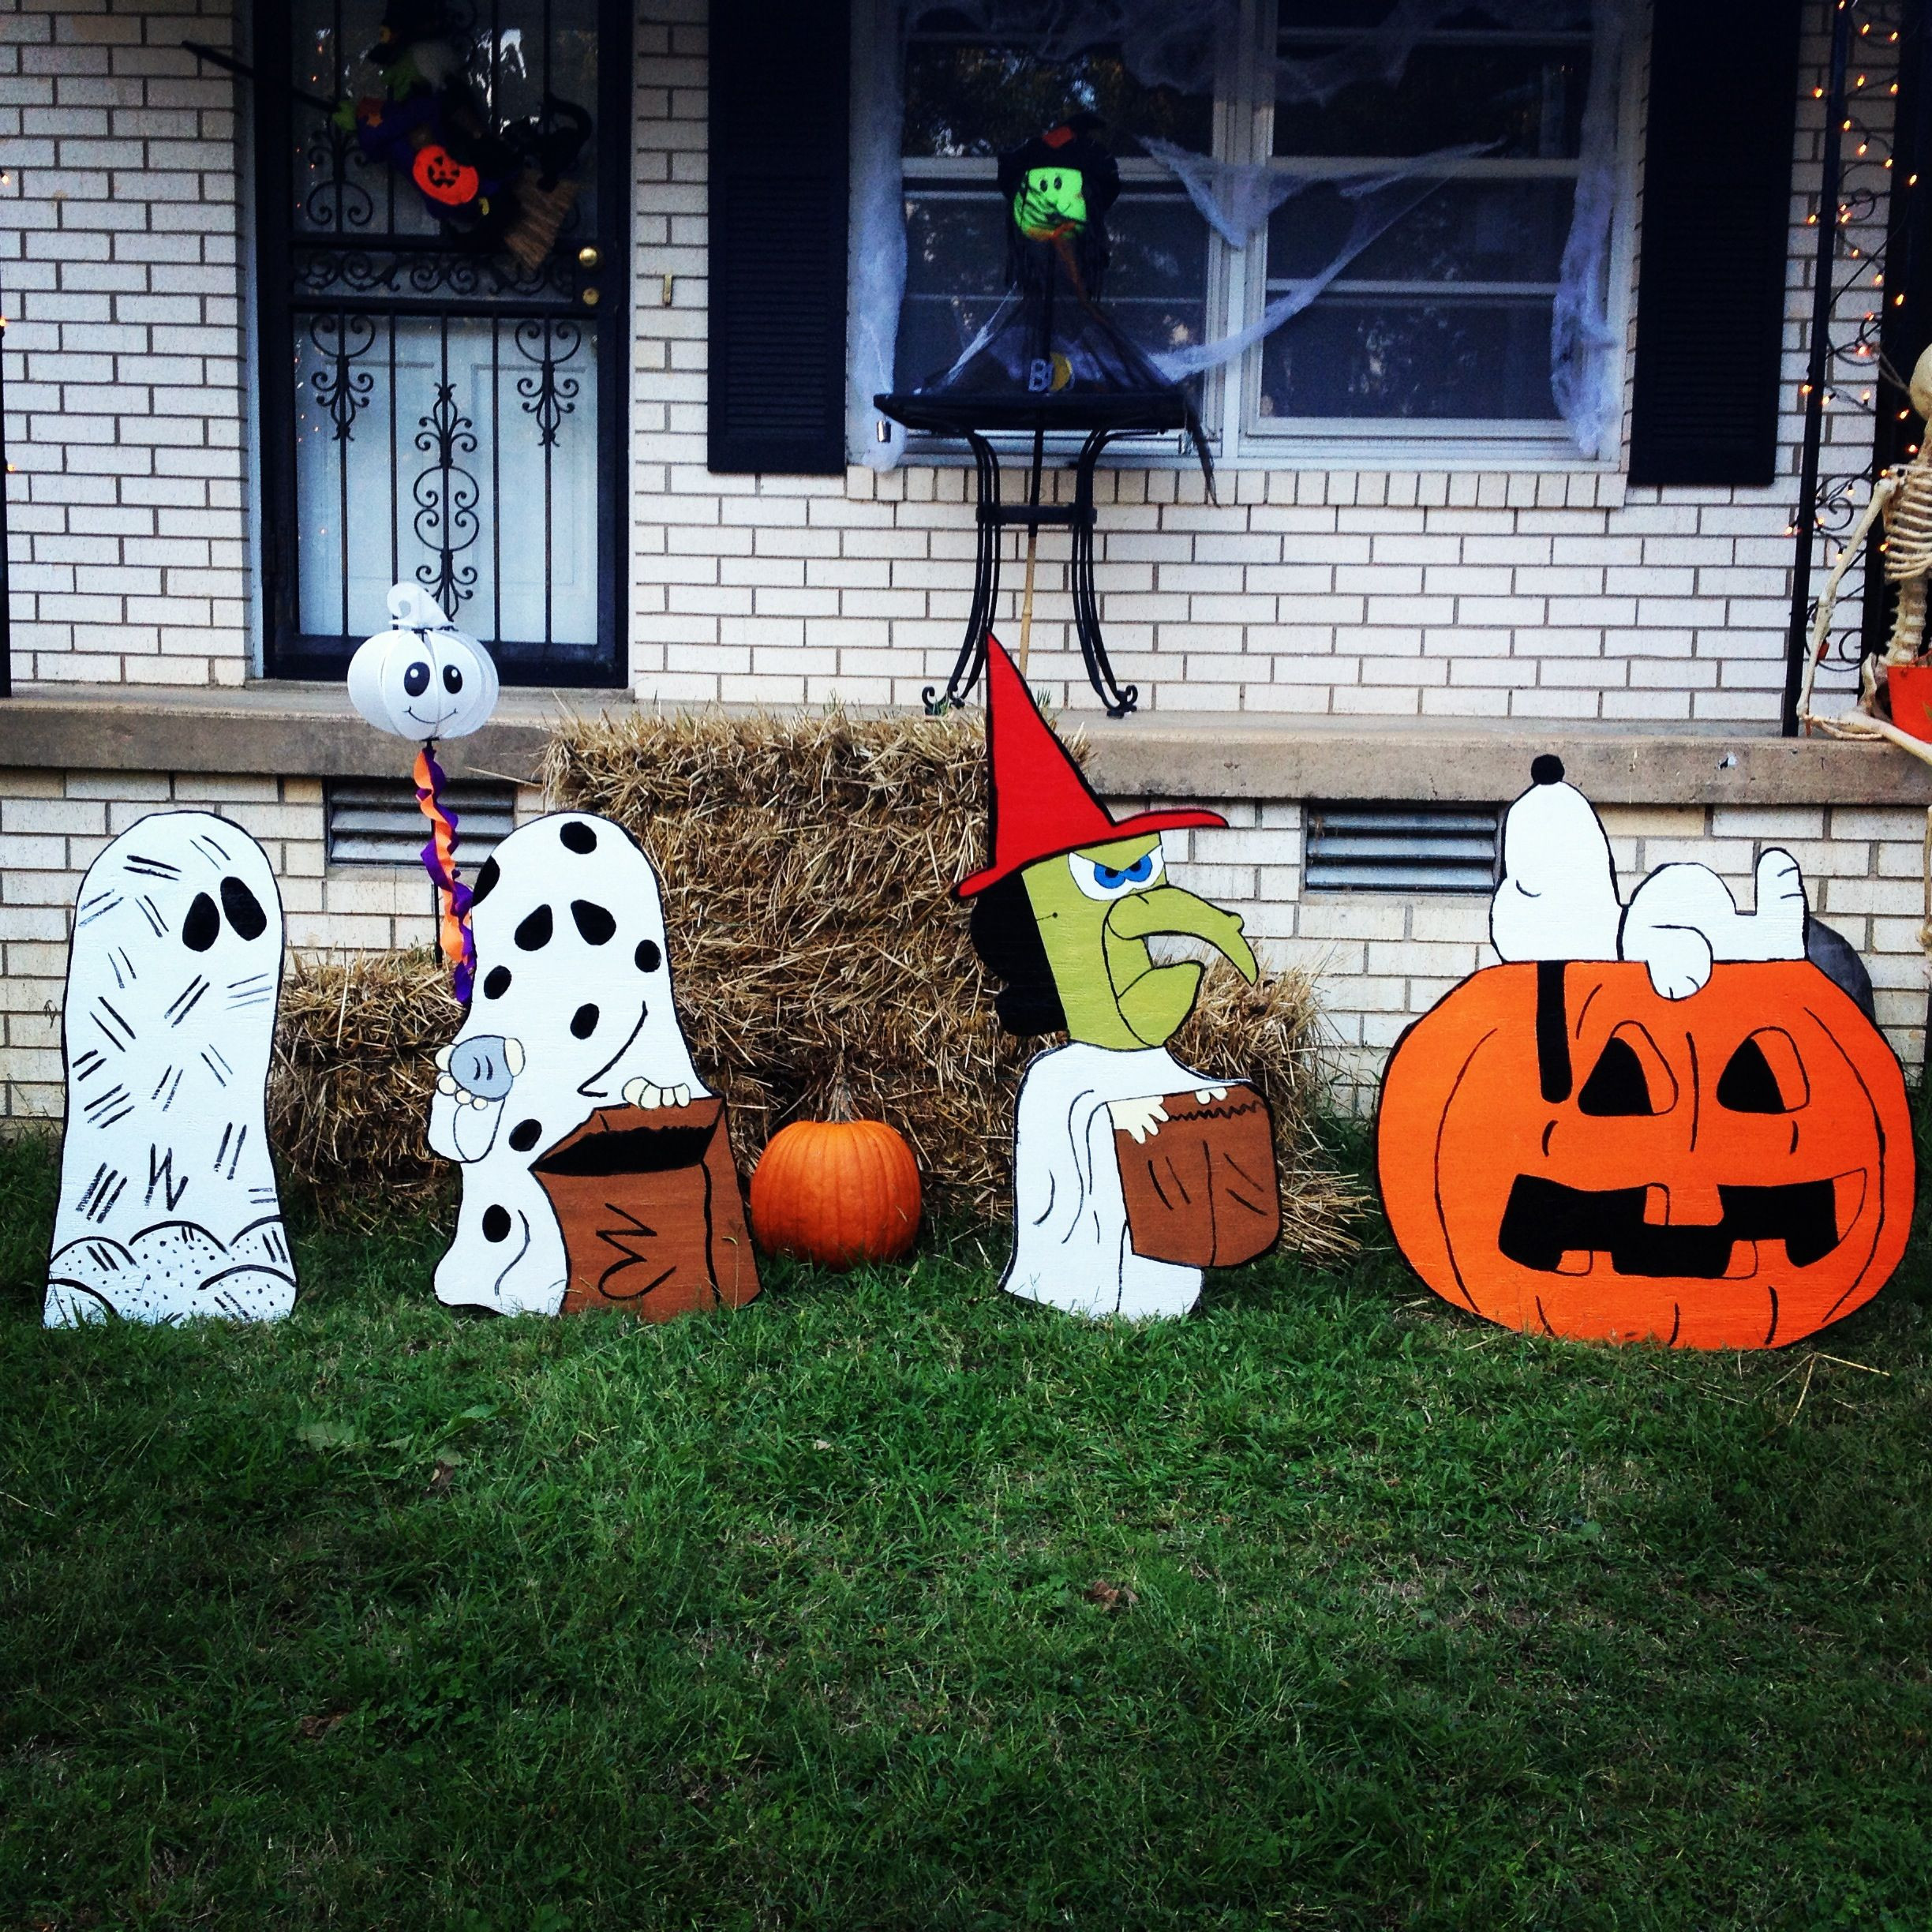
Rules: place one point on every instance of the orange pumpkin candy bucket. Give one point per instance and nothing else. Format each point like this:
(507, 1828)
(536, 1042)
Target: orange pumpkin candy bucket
(1563, 1151)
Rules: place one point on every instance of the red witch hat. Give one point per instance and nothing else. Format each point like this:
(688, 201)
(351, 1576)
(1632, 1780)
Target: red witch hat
(1041, 806)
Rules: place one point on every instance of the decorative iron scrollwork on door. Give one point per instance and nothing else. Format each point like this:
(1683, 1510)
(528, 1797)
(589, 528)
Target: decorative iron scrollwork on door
(437, 218)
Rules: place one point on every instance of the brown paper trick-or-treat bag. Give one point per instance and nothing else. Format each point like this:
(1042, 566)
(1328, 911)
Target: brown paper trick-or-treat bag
(1201, 1190)
(654, 1220)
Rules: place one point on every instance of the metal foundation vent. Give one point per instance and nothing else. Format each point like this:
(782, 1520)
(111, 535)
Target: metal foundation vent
(1403, 848)
(377, 822)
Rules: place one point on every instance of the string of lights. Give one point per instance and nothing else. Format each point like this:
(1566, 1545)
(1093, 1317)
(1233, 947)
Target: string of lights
(1852, 393)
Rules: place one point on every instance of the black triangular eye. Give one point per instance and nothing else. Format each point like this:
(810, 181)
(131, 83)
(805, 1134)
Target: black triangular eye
(1747, 1085)
(1616, 1084)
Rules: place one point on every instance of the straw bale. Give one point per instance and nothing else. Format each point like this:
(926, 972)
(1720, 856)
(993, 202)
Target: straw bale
(807, 865)
(350, 1089)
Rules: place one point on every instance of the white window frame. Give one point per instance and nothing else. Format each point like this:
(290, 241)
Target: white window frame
(1243, 132)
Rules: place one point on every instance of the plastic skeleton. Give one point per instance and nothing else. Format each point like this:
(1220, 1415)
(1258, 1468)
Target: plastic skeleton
(1902, 498)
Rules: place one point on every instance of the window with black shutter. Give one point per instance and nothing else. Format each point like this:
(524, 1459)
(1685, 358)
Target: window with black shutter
(780, 89)
(1716, 213)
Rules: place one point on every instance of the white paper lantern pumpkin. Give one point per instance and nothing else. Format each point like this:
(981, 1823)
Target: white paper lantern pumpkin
(425, 678)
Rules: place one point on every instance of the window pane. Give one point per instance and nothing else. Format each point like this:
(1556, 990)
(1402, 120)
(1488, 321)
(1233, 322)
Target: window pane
(1518, 98)
(1415, 360)
(1468, 337)
(1465, 231)
(964, 97)
(956, 273)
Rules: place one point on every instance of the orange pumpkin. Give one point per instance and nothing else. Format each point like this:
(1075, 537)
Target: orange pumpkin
(837, 1192)
(442, 177)
(1566, 1152)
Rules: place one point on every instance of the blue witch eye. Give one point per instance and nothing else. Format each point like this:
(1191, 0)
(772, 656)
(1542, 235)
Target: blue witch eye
(1134, 874)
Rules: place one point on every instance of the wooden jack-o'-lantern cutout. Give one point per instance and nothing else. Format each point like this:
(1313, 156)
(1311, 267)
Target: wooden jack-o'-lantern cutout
(442, 177)
(1565, 1151)
(424, 680)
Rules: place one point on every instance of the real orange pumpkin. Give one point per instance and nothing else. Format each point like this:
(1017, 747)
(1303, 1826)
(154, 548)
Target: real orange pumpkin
(837, 1192)
(1563, 1151)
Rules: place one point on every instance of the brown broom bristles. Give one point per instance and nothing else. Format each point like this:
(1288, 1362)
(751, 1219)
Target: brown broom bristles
(807, 865)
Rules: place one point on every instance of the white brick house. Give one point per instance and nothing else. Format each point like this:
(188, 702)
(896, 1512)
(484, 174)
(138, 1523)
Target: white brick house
(1377, 612)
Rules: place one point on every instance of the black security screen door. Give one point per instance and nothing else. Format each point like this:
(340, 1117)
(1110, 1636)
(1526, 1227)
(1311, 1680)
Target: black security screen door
(443, 373)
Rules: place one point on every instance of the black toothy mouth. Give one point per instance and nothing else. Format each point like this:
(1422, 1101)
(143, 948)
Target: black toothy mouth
(1544, 1220)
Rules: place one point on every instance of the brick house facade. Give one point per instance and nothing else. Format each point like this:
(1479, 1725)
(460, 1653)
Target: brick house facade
(1337, 626)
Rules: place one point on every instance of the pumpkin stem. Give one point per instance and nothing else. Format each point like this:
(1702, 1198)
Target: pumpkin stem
(838, 1100)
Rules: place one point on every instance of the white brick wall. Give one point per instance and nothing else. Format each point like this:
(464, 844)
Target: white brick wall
(1377, 961)
(119, 262)
(53, 825)
(1380, 961)
(1536, 593)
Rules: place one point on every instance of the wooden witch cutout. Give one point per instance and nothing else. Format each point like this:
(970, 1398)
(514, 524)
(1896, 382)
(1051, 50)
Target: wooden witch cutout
(597, 1169)
(168, 1207)
(1132, 1173)
(1669, 1120)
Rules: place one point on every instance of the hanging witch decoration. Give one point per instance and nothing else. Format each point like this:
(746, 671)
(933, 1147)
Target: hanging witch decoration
(1051, 347)
(496, 188)
(425, 679)
(1132, 1173)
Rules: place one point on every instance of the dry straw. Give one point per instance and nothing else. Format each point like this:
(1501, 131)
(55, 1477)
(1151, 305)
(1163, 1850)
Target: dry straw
(807, 865)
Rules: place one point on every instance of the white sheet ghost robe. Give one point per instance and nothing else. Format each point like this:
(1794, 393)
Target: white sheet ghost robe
(572, 968)
(1071, 1245)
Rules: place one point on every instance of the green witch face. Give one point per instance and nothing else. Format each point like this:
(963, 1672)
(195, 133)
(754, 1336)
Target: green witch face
(1049, 200)
(1097, 909)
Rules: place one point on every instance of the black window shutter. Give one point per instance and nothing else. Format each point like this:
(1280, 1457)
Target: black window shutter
(1716, 215)
(780, 84)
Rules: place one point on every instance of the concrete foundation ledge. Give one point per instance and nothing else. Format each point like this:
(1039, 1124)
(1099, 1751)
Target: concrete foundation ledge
(309, 730)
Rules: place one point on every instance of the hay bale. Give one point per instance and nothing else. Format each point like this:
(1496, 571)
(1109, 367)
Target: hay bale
(807, 865)
(349, 1088)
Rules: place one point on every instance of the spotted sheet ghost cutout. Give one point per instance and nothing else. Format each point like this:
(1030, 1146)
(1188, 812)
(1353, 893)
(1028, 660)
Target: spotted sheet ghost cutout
(168, 1200)
(572, 1013)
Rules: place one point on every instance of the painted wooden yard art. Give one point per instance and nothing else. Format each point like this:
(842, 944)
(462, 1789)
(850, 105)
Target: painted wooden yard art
(596, 1168)
(1132, 1173)
(1666, 1120)
(168, 1206)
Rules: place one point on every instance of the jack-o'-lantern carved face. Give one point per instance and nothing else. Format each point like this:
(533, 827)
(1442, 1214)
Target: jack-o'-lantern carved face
(442, 177)
(1565, 1152)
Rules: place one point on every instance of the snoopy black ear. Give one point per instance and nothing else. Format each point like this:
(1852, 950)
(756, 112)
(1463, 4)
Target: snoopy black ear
(1548, 770)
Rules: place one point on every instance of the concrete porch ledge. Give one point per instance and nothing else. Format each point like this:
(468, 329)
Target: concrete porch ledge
(310, 731)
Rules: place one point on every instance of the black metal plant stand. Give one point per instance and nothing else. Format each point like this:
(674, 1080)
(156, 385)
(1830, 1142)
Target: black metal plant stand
(1101, 419)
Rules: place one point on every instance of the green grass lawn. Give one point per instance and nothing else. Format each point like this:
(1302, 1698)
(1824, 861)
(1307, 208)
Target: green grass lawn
(890, 1602)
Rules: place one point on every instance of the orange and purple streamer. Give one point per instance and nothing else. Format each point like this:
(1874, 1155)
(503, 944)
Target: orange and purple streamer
(439, 858)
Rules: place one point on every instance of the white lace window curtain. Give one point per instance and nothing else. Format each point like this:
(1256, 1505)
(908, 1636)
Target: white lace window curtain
(1161, 44)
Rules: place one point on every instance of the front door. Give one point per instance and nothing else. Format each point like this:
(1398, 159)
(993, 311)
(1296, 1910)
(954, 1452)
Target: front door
(444, 235)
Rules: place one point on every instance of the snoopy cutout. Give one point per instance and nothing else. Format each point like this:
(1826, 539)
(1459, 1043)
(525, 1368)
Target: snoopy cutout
(168, 1207)
(573, 1015)
(1558, 898)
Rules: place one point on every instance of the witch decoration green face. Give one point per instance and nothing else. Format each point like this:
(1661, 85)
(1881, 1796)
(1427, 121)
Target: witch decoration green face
(1052, 201)
(1058, 186)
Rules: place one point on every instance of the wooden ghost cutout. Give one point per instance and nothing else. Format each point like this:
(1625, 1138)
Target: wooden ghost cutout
(1132, 1173)
(1658, 1121)
(168, 1207)
(597, 1169)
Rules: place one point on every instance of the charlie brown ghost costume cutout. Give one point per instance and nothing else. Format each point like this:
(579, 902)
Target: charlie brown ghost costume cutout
(596, 1166)
(167, 1206)
(1132, 1173)
(1660, 1120)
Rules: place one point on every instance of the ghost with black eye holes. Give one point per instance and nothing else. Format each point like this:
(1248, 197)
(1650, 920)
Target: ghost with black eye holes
(423, 678)
(573, 1013)
(168, 1207)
